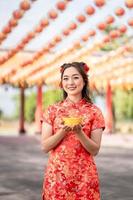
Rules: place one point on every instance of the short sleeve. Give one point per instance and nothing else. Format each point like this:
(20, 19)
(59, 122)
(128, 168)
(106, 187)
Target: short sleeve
(98, 119)
(49, 115)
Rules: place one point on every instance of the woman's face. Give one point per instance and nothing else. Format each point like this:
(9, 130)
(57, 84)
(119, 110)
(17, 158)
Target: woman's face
(72, 81)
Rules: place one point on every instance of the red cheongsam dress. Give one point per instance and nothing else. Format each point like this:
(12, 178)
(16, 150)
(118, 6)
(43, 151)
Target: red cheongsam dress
(71, 172)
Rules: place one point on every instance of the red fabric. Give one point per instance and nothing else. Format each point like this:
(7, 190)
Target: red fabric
(71, 172)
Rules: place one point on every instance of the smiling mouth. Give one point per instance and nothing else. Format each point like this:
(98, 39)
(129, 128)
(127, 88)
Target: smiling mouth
(72, 88)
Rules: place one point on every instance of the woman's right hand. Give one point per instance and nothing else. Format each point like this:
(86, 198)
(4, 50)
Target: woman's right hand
(65, 129)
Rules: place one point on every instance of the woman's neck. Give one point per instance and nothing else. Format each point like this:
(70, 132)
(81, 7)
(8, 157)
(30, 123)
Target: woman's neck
(74, 99)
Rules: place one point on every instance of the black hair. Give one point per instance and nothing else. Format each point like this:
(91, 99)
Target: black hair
(80, 66)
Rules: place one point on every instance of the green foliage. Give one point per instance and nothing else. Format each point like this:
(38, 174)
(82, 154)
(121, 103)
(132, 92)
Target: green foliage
(30, 107)
(51, 96)
(123, 104)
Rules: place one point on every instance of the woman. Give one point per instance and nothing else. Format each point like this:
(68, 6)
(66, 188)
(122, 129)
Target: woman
(71, 173)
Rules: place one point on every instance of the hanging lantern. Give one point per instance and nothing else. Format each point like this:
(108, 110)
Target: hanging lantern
(51, 44)
(6, 30)
(2, 60)
(25, 40)
(123, 29)
(114, 34)
(81, 18)
(20, 46)
(25, 5)
(31, 35)
(130, 22)
(110, 19)
(57, 39)
(119, 11)
(39, 29)
(90, 10)
(10, 53)
(13, 22)
(17, 14)
(61, 5)
(53, 14)
(101, 26)
(91, 33)
(85, 37)
(129, 3)
(106, 39)
(99, 3)
(44, 23)
(2, 36)
(46, 49)
(66, 32)
(73, 26)
(76, 44)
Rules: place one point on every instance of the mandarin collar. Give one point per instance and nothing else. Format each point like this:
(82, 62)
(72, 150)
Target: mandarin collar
(67, 102)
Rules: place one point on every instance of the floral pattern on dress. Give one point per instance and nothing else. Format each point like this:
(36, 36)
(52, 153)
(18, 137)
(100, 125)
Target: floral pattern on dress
(71, 172)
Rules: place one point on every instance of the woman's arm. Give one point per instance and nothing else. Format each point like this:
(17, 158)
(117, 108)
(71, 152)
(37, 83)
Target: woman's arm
(92, 145)
(50, 141)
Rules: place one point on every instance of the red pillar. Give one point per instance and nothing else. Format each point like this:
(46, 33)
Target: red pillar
(109, 109)
(38, 113)
(21, 118)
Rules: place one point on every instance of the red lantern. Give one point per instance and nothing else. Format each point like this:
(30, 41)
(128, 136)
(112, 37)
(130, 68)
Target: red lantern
(61, 5)
(6, 30)
(20, 46)
(91, 33)
(14, 51)
(110, 19)
(2, 36)
(31, 35)
(85, 37)
(17, 14)
(101, 26)
(53, 14)
(129, 3)
(73, 26)
(25, 40)
(123, 29)
(2, 60)
(39, 29)
(25, 5)
(99, 3)
(90, 10)
(51, 44)
(81, 18)
(130, 22)
(13, 22)
(10, 53)
(57, 39)
(46, 49)
(114, 34)
(44, 23)
(66, 32)
(106, 39)
(119, 11)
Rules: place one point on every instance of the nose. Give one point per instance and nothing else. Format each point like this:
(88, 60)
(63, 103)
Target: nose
(71, 81)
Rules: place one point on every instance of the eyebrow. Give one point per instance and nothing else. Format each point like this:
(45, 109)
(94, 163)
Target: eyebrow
(72, 75)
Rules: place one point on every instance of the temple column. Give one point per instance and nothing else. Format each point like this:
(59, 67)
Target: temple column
(21, 117)
(38, 112)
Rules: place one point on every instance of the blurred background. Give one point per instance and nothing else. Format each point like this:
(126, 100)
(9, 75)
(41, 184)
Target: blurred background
(37, 37)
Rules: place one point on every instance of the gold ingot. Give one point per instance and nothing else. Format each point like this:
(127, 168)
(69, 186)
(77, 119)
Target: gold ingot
(72, 121)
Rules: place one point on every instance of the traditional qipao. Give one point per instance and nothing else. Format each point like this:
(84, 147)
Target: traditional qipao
(71, 172)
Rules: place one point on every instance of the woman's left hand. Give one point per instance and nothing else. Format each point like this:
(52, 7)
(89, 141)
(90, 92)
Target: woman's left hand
(77, 129)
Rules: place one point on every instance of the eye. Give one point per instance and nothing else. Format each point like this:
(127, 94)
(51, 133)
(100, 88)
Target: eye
(65, 79)
(76, 77)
